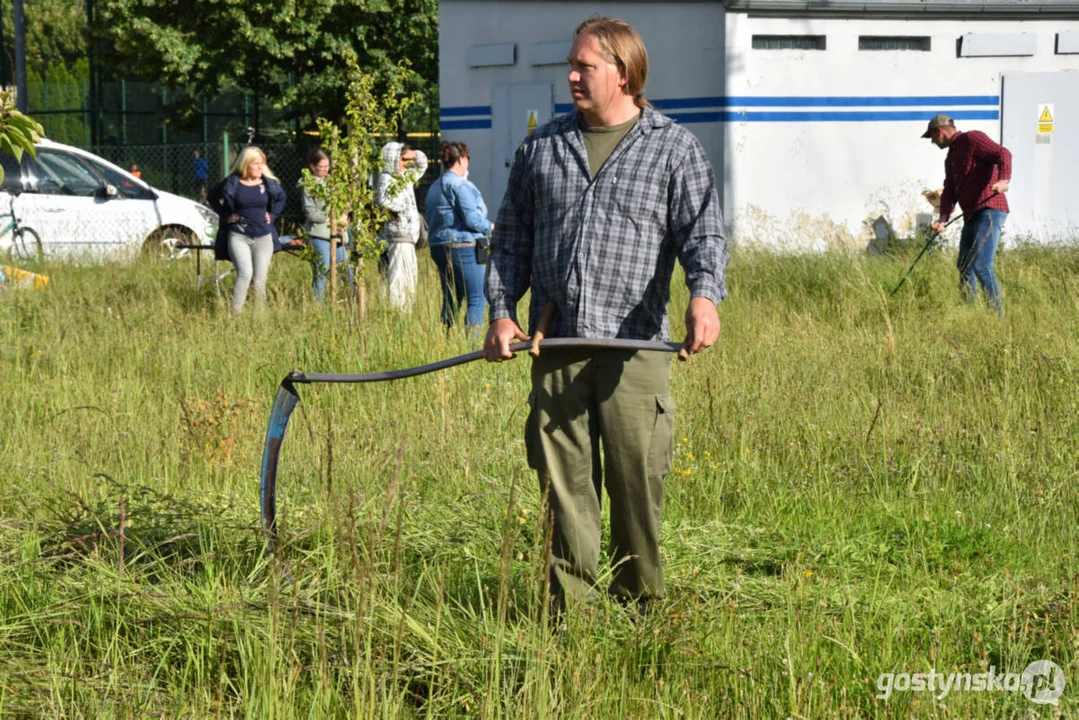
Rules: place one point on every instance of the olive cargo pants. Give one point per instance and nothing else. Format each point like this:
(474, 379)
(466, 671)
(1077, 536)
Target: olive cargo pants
(602, 418)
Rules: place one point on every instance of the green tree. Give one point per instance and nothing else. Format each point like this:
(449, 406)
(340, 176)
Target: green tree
(292, 53)
(63, 95)
(55, 33)
(80, 75)
(35, 90)
(356, 155)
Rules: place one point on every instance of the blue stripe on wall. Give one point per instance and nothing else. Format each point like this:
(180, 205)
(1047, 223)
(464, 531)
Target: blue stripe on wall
(829, 116)
(825, 101)
(479, 124)
(933, 102)
(465, 111)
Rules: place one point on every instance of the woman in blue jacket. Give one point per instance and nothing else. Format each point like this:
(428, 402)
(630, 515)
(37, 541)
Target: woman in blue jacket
(248, 202)
(457, 220)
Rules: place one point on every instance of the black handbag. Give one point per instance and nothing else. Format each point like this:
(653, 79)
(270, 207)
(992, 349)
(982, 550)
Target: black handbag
(483, 249)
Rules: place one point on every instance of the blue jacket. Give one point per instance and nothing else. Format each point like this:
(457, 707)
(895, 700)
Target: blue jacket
(222, 199)
(456, 212)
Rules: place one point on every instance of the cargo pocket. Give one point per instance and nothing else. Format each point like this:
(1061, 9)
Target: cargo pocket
(661, 447)
(532, 436)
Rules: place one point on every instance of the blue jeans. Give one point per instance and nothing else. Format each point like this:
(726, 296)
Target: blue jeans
(322, 247)
(462, 277)
(977, 250)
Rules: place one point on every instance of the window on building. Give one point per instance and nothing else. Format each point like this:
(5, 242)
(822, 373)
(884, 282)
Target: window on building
(893, 42)
(789, 42)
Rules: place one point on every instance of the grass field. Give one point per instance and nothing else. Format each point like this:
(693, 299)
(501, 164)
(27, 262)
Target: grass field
(862, 485)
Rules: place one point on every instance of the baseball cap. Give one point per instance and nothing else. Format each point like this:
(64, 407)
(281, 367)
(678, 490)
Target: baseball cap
(937, 121)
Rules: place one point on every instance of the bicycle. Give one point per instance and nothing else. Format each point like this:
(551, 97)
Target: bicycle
(25, 242)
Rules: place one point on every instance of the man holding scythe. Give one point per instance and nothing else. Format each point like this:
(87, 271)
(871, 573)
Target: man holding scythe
(976, 175)
(599, 204)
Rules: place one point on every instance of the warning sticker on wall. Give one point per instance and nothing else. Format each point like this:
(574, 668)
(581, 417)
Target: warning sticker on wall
(1045, 119)
(532, 121)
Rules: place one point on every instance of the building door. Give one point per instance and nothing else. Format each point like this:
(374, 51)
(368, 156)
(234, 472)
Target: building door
(1040, 125)
(517, 109)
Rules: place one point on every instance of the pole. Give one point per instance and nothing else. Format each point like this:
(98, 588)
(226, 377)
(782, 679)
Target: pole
(20, 54)
(86, 136)
(333, 258)
(5, 76)
(123, 111)
(91, 99)
(224, 153)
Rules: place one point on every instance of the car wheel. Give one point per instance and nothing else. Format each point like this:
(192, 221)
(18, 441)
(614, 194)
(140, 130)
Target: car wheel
(164, 243)
(26, 246)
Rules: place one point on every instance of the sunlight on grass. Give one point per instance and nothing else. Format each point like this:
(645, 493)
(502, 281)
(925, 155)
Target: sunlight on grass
(862, 484)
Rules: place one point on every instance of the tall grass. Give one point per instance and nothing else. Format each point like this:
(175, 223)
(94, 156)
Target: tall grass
(862, 484)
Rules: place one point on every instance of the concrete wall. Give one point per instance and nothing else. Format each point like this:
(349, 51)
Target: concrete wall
(857, 154)
(809, 146)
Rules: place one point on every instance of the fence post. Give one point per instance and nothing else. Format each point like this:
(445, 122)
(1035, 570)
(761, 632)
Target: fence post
(224, 153)
(165, 138)
(123, 110)
(85, 113)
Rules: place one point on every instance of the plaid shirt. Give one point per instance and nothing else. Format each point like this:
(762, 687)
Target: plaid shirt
(973, 165)
(603, 248)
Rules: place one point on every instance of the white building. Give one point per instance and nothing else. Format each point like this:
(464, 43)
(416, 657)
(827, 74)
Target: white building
(811, 111)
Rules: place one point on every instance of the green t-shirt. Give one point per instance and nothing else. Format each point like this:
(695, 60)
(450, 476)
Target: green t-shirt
(600, 142)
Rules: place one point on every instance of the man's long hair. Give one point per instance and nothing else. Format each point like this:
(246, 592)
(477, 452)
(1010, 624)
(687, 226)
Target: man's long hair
(621, 45)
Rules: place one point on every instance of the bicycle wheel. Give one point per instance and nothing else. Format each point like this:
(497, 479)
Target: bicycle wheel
(26, 245)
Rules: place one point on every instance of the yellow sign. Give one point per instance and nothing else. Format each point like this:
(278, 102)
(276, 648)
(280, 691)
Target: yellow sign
(16, 278)
(531, 122)
(1045, 119)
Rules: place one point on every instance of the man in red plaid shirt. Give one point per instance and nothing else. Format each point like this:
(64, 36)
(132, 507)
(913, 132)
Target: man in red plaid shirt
(976, 175)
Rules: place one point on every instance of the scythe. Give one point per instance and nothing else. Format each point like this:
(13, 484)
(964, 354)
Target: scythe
(287, 398)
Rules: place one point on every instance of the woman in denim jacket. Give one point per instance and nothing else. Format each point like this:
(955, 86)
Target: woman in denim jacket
(457, 218)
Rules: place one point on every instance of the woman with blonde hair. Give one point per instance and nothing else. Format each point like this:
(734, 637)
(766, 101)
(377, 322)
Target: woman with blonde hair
(248, 202)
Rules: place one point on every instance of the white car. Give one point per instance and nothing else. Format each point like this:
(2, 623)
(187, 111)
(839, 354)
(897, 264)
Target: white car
(68, 202)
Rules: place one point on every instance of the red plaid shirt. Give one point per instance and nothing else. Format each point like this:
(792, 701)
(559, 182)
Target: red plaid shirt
(973, 165)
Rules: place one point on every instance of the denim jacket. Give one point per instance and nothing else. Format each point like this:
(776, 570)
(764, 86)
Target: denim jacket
(456, 212)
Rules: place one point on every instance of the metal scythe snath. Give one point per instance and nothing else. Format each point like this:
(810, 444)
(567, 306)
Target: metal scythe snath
(286, 399)
(933, 238)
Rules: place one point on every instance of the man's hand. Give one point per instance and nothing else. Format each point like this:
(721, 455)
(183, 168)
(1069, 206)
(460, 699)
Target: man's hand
(1000, 186)
(938, 227)
(702, 325)
(500, 333)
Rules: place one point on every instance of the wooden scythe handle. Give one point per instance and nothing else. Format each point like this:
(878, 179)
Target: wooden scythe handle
(541, 329)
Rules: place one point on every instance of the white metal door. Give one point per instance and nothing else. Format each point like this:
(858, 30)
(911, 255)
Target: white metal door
(517, 109)
(1040, 125)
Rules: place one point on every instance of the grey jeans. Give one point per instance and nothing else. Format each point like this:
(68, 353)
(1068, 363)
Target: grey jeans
(251, 256)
